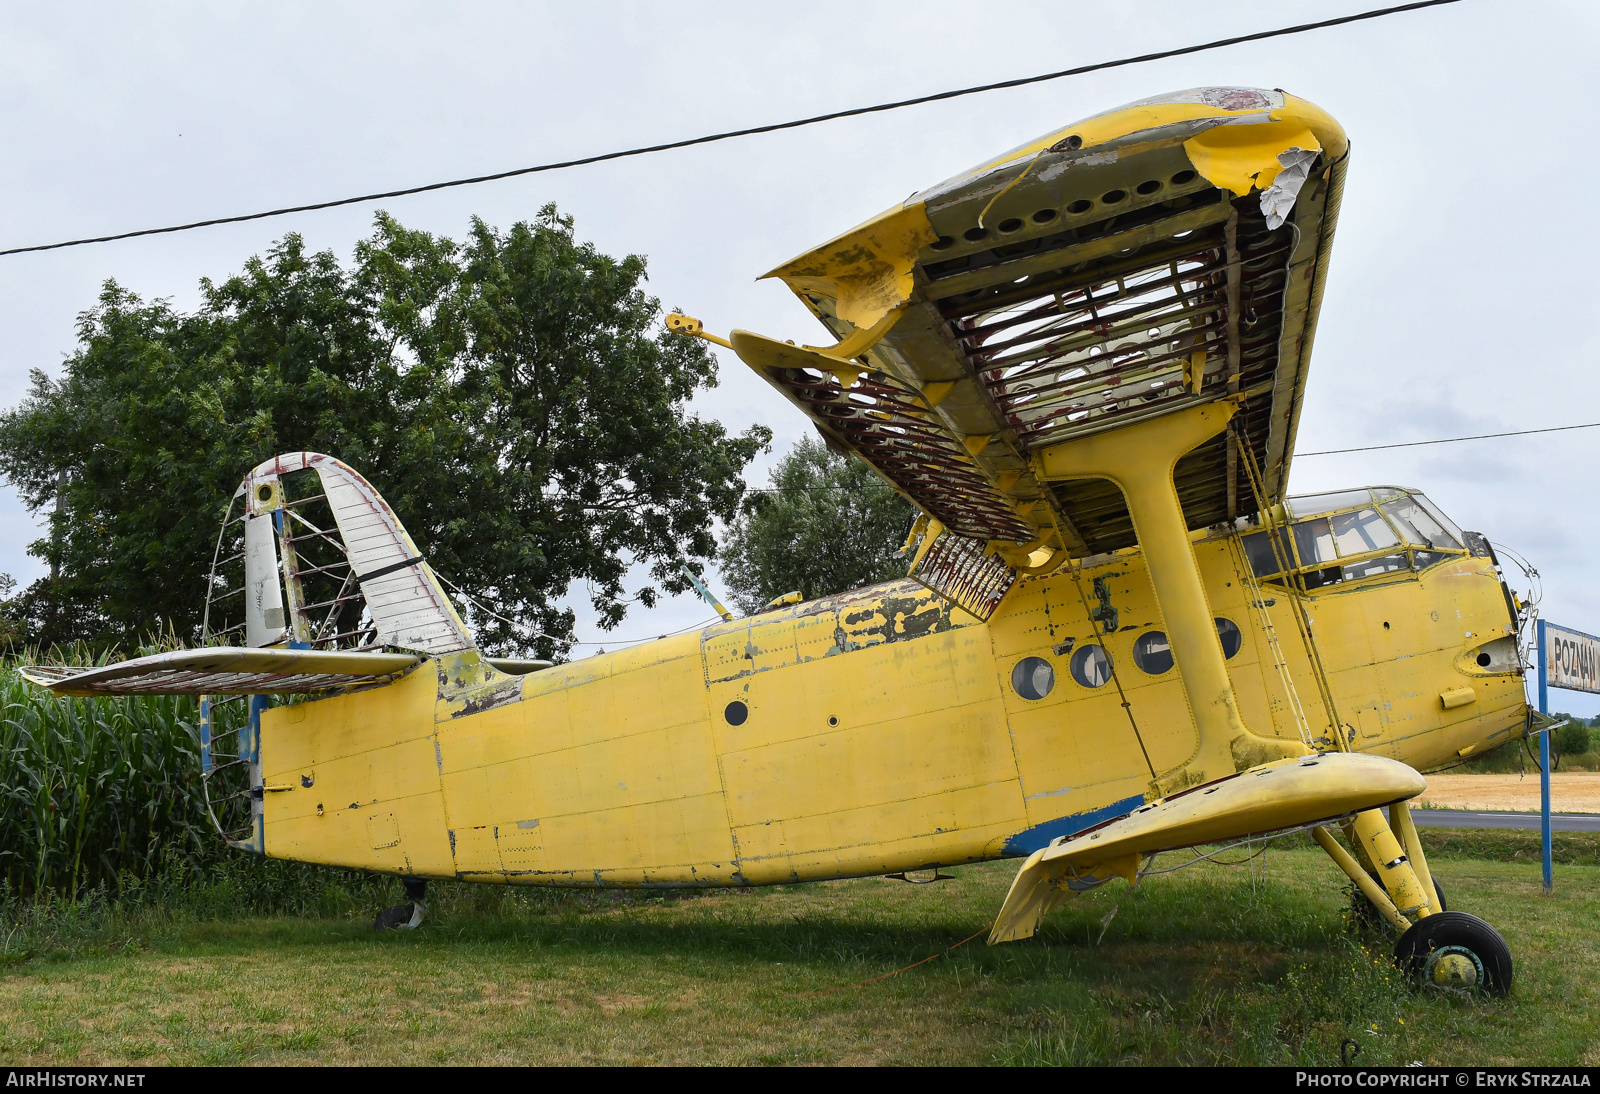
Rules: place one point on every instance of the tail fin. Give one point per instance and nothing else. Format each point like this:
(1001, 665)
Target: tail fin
(351, 576)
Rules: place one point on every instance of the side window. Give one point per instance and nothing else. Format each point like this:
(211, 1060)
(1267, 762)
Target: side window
(1152, 653)
(1090, 666)
(1314, 539)
(1371, 567)
(1228, 634)
(1033, 678)
(1258, 549)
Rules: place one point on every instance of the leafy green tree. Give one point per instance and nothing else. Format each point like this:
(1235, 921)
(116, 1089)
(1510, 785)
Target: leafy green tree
(10, 625)
(513, 397)
(1574, 739)
(828, 524)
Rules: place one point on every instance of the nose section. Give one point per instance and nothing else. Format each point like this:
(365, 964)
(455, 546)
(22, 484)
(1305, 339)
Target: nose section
(1479, 546)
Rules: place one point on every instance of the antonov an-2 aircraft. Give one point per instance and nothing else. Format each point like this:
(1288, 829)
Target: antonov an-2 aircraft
(1084, 361)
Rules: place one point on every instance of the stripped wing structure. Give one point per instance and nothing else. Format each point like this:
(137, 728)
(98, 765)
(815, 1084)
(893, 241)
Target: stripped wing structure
(225, 670)
(1135, 264)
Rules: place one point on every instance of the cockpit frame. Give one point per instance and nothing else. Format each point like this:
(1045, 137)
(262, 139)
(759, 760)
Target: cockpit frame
(1360, 535)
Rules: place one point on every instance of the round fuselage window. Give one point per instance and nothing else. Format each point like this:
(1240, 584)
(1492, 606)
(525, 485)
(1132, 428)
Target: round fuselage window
(1228, 634)
(1090, 666)
(1032, 678)
(1152, 653)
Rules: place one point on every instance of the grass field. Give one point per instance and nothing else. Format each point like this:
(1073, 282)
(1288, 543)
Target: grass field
(1247, 964)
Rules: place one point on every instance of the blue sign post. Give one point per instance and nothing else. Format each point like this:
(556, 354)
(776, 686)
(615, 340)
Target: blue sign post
(1544, 762)
(1567, 659)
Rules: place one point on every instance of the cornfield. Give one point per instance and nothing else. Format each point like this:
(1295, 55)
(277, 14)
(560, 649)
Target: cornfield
(98, 792)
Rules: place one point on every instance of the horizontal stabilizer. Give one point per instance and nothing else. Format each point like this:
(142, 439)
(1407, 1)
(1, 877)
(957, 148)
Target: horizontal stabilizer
(1269, 798)
(223, 670)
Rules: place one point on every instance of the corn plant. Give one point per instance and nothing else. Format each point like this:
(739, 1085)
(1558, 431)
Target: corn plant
(96, 791)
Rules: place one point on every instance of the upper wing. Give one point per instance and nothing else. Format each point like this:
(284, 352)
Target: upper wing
(1269, 798)
(1165, 254)
(222, 670)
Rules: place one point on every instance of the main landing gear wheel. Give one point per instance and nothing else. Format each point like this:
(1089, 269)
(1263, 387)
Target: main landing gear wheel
(405, 917)
(1456, 952)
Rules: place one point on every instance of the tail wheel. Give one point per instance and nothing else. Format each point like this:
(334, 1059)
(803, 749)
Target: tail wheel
(1454, 951)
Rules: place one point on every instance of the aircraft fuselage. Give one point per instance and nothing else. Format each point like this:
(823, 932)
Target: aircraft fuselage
(876, 731)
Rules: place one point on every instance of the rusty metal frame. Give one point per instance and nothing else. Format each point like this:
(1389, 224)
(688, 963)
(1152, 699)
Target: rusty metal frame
(961, 571)
(891, 427)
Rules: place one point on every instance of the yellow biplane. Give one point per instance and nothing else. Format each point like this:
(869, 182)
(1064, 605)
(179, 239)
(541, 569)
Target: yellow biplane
(1084, 361)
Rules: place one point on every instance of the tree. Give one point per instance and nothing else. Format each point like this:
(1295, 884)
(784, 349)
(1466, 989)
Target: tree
(827, 525)
(513, 397)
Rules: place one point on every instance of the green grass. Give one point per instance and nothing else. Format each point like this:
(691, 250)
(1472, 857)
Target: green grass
(1209, 965)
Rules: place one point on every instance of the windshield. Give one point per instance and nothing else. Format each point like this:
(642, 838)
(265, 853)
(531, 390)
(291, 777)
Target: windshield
(1416, 521)
(1353, 534)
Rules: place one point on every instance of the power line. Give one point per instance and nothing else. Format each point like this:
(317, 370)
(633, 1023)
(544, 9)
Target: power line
(1450, 440)
(732, 133)
(1325, 452)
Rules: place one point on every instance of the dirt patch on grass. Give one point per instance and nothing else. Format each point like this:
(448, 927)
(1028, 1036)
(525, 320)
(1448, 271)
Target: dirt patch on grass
(1570, 792)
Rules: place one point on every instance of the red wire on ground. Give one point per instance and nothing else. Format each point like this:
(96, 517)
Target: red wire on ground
(885, 976)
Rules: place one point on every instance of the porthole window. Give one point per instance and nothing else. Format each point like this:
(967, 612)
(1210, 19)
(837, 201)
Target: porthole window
(1151, 652)
(1228, 633)
(1090, 666)
(1033, 678)
(736, 712)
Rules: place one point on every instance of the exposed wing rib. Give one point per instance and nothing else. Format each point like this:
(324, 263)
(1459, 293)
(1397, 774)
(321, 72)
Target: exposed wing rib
(1169, 253)
(224, 670)
(892, 429)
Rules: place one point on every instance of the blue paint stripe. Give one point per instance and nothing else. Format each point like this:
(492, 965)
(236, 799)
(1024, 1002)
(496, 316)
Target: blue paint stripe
(1029, 840)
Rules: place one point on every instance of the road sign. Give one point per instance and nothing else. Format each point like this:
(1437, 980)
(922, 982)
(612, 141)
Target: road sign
(1571, 659)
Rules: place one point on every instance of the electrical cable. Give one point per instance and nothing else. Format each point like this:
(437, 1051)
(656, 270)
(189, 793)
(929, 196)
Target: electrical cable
(1298, 455)
(733, 133)
(885, 976)
(1449, 440)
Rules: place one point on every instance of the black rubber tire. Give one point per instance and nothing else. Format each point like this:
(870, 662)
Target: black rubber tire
(1444, 905)
(1461, 933)
(392, 919)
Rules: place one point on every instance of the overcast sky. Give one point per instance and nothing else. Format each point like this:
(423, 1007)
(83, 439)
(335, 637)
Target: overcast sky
(1456, 297)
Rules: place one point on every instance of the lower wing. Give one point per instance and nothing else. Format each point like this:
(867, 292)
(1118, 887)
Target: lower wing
(1275, 796)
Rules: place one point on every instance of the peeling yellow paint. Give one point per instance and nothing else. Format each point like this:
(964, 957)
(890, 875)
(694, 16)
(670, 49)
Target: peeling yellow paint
(867, 270)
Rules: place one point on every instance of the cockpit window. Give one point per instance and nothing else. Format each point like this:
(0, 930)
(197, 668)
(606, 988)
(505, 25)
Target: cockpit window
(1362, 531)
(1314, 540)
(1418, 526)
(1344, 536)
(1258, 548)
(1458, 536)
(1316, 504)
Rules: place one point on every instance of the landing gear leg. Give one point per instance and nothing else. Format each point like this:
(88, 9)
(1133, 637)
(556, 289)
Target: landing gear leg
(1452, 951)
(409, 916)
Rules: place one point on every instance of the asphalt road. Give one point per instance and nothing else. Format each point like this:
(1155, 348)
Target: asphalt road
(1473, 818)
